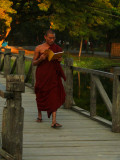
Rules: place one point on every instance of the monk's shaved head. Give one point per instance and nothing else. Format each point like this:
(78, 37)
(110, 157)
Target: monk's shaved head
(50, 31)
(49, 37)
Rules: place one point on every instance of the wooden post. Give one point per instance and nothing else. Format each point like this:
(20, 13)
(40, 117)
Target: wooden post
(21, 63)
(13, 114)
(69, 83)
(116, 101)
(92, 98)
(7, 59)
(0, 58)
(33, 75)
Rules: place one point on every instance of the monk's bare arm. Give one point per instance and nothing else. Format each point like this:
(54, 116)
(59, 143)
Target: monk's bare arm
(37, 58)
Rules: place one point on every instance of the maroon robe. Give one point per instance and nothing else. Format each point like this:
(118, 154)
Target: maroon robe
(50, 94)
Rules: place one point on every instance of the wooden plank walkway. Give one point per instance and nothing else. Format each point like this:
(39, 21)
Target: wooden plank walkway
(79, 139)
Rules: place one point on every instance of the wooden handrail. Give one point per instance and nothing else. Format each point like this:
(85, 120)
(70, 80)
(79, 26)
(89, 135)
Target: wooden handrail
(113, 107)
(92, 71)
(69, 68)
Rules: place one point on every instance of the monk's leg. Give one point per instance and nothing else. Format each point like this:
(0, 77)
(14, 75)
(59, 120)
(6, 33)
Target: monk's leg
(39, 114)
(53, 118)
(54, 123)
(39, 119)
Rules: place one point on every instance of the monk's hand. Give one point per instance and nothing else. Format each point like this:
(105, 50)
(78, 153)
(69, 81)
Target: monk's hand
(59, 59)
(43, 56)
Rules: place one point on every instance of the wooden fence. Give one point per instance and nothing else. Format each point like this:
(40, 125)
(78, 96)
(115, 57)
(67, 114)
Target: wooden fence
(113, 106)
(15, 64)
(17, 67)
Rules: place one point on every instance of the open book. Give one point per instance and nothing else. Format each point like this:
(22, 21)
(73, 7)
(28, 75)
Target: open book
(52, 55)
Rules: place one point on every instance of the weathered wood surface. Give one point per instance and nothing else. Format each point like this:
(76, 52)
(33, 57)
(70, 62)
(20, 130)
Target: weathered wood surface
(92, 71)
(14, 66)
(79, 139)
(116, 101)
(29, 73)
(21, 63)
(4, 93)
(12, 119)
(69, 83)
(103, 93)
(6, 155)
(93, 96)
(7, 58)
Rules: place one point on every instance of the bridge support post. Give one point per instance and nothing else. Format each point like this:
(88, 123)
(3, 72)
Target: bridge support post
(92, 98)
(69, 83)
(33, 75)
(0, 58)
(116, 101)
(7, 59)
(13, 114)
(21, 63)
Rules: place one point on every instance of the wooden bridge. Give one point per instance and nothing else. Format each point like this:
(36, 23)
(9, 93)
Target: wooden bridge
(79, 138)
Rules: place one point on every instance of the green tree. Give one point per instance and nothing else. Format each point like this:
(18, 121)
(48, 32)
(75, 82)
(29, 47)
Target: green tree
(81, 19)
(6, 12)
(28, 24)
(114, 32)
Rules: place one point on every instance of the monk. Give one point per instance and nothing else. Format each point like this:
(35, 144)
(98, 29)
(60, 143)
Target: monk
(50, 94)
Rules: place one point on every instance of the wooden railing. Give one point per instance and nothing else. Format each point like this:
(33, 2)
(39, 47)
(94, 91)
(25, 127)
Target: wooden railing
(18, 66)
(113, 106)
(13, 115)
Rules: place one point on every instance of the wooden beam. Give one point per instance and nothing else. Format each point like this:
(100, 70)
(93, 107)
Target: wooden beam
(4, 93)
(6, 155)
(13, 67)
(0, 59)
(92, 71)
(21, 63)
(92, 98)
(87, 114)
(29, 73)
(13, 115)
(116, 101)
(7, 60)
(28, 58)
(69, 83)
(15, 83)
(103, 93)
(2, 65)
(33, 75)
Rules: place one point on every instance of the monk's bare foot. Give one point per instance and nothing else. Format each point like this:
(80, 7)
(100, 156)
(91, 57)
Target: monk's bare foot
(56, 125)
(39, 119)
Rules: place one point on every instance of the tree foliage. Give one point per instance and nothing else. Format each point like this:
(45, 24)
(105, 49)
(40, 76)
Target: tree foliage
(75, 18)
(6, 12)
(114, 32)
(29, 23)
(82, 19)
